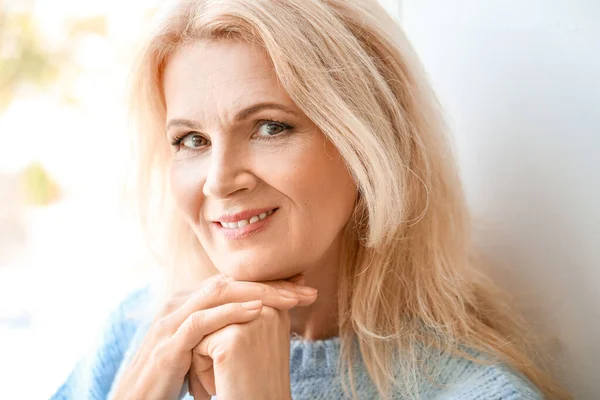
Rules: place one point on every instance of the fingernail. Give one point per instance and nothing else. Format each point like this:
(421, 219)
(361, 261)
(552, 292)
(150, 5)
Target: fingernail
(288, 294)
(306, 290)
(252, 305)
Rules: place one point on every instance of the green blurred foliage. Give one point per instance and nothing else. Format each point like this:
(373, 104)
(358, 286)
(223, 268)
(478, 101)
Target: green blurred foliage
(25, 60)
(38, 188)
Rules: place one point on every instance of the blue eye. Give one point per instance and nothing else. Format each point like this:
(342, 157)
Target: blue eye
(193, 140)
(272, 128)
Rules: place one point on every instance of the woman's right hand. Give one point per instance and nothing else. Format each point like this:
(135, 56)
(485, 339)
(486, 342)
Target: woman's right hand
(160, 365)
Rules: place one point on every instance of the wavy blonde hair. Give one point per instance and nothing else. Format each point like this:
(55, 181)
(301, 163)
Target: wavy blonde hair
(408, 281)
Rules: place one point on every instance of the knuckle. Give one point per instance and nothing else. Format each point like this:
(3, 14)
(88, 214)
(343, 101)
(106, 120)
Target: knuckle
(220, 355)
(170, 305)
(163, 327)
(222, 283)
(207, 290)
(161, 357)
(263, 289)
(196, 321)
(233, 334)
(216, 287)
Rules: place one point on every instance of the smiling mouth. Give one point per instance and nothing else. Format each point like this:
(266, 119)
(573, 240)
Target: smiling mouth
(245, 222)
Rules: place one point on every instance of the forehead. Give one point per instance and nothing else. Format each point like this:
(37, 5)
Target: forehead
(224, 73)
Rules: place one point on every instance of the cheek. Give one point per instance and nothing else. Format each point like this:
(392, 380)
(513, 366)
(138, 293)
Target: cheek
(333, 198)
(186, 187)
(322, 189)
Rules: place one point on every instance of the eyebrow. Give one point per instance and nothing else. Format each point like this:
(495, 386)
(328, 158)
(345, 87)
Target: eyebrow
(240, 116)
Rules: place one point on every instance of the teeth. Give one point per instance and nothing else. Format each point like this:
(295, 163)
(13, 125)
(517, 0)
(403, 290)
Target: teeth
(244, 222)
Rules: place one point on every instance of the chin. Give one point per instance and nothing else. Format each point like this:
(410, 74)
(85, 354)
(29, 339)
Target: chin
(253, 270)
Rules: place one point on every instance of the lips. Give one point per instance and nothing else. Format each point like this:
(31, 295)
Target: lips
(246, 214)
(244, 222)
(238, 227)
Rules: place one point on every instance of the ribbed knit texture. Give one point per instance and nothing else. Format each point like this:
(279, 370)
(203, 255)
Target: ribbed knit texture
(313, 368)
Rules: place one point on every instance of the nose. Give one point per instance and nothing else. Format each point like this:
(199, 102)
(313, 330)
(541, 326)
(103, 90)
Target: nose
(228, 172)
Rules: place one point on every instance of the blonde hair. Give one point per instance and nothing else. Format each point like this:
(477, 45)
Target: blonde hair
(408, 283)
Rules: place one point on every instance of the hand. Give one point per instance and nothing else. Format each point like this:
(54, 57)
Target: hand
(252, 360)
(202, 374)
(160, 365)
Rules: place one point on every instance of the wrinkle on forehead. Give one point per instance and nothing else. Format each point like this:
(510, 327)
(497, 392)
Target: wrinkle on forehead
(233, 81)
(225, 64)
(238, 74)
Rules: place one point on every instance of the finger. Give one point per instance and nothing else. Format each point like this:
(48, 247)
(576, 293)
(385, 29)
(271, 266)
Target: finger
(200, 362)
(205, 346)
(197, 389)
(201, 323)
(209, 344)
(175, 302)
(222, 291)
(207, 378)
(180, 297)
(306, 295)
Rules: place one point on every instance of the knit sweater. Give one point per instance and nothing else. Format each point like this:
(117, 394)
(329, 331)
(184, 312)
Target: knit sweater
(313, 368)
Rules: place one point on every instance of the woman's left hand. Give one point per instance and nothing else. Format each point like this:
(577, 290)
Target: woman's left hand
(251, 360)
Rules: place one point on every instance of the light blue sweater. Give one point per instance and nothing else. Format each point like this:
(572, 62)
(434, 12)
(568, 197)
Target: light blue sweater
(313, 369)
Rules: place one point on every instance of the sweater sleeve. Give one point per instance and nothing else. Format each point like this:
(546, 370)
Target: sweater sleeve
(93, 376)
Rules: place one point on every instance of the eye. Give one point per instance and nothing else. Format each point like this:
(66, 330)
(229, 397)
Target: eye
(193, 140)
(271, 128)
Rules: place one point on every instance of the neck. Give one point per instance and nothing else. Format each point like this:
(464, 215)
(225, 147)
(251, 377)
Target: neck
(320, 320)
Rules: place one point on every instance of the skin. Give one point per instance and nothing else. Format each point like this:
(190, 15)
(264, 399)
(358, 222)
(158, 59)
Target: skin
(171, 350)
(224, 166)
(231, 336)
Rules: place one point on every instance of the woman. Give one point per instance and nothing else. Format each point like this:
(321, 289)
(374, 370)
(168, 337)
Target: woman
(294, 164)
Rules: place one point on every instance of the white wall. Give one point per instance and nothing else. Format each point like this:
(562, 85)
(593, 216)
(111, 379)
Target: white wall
(520, 81)
(392, 7)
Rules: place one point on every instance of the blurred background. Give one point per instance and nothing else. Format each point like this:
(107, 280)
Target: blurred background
(68, 250)
(520, 82)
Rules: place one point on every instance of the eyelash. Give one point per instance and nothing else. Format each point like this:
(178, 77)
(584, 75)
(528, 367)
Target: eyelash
(287, 128)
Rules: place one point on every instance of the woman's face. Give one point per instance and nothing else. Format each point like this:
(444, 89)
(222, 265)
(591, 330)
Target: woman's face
(266, 194)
